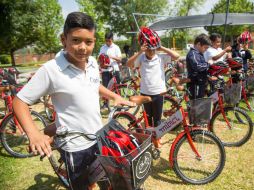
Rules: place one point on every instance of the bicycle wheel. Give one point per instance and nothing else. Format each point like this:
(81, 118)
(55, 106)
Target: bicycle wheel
(14, 141)
(126, 120)
(59, 168)
(126, 92)
(48, 108)
(237, 131)
(199, 170)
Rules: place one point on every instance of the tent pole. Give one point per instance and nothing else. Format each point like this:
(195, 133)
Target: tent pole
(225, 26)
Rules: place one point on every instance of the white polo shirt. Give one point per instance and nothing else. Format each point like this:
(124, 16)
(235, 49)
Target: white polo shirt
(75, 96)
(212, 52)
(152, 73)
(114, 51)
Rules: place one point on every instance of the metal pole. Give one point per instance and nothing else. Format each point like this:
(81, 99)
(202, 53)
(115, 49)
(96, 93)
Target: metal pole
(225, 26)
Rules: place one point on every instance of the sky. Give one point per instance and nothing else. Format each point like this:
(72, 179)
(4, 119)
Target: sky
(71, 5)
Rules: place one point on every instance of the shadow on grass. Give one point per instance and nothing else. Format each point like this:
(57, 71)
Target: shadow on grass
(162, 171)
(46, 182)
(4, 153)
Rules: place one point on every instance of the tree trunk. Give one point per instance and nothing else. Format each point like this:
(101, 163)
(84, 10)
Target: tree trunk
(133, 44)
(13, 58)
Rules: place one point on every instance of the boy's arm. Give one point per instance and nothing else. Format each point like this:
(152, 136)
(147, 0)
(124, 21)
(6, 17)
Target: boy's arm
(174, 55)
(131, 60)
(38, 141)
(113, 96)
(228, 49)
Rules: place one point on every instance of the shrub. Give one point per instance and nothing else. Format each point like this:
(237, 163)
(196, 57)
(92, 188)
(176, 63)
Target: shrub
(5, 59)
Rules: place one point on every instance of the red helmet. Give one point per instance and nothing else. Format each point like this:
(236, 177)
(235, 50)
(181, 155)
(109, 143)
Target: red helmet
(119, 144)
(219, 68)
(233, 64)
(245, 37)
(104, 60)
(149, 37)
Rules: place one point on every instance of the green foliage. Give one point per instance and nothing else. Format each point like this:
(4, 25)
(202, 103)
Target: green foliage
(5, 59)
(116, 15)
(235, 6)
(28, 22)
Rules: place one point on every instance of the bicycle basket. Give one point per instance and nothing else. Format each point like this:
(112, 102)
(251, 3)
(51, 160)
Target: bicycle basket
(200, 111)
(250, 83)
(126, 74)
(129, 171)
(232, 93)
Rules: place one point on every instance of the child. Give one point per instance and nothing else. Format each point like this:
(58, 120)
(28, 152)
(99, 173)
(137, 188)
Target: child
(72, 80)
(215, 53)
(197, 67)
(152, 74)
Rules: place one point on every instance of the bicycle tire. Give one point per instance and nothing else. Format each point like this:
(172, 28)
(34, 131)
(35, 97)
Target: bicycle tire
(59, 168)
(129, 123)
(207, 138)
(17, 144)
(123, 93)
(231, 137)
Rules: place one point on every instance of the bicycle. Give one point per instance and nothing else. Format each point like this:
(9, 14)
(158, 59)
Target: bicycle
(190, 149)
(127, 172)
(121, 89)
(12, 136)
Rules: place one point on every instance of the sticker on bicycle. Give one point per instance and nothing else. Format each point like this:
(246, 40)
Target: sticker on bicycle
(142, 166)
(214, 97)
(169, 124)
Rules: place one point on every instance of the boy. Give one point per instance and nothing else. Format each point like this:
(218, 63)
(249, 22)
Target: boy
(197, 67)
(215, 53)
(114, 53)
(152, 72)
(72, 80)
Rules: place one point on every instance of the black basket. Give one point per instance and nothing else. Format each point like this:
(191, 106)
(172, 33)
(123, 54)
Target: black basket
(232, 93)
(200, 111)
(250, 83)
(126, 172)
(126, 74)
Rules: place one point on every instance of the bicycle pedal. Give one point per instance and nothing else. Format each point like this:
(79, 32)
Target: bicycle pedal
(156, 153)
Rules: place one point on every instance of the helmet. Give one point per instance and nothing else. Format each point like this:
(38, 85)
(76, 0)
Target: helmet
(245, 37)
(119, 144)
(233, 64)
(104, 60)
(149, 37)
(218, 69)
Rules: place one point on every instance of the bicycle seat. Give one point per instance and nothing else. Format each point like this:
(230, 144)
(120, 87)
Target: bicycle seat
(139, 100)
(50, 130)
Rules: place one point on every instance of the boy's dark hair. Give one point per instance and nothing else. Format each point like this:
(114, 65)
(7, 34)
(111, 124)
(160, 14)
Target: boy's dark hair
(203, 39)
(109, 35)
(78, 20)
(214, 36)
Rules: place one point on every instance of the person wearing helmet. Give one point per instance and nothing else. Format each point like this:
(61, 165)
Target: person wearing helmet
(197, 67)
(151, 64)
(215, 53)
(72, 80)
(114, 53)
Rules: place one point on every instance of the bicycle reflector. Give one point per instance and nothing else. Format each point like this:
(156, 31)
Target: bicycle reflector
(104, 60)
(149, 37)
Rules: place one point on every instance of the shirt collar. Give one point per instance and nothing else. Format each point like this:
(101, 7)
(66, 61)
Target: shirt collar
(63, 63)
(154, 58)
(194, 49)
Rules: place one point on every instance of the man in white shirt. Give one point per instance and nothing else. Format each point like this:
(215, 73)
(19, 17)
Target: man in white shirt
(114, 53)
(215, 53)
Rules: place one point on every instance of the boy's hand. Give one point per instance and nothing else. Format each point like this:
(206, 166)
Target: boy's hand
(39, 143)
(144, 47)
(228, 49)
(120, 101)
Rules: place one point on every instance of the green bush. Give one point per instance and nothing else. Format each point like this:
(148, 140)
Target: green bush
(5, 59)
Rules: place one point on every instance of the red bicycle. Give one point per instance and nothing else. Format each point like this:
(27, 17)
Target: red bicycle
(197, 156)
(12, 136)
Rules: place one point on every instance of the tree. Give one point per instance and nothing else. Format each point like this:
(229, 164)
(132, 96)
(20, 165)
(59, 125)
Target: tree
(183, 8)
(235, 6)
(117, 14)
(24, 24)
